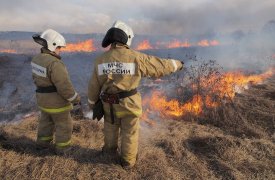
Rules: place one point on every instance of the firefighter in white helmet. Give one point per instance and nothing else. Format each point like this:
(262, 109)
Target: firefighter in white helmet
(116, 75)
(54, 92)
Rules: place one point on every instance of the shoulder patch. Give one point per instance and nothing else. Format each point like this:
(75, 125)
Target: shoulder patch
(39, 70)
(116, 68)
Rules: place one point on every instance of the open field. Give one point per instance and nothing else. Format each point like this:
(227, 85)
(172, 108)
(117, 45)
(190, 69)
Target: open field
(234, 141)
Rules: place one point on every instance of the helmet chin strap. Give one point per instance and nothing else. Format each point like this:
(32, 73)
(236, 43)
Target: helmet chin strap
(57, 51)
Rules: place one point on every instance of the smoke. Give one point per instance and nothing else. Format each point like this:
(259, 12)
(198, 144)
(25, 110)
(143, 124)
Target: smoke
(243, 29)
(175, 17)
(252, 51)
(207, 17)
(237, 24)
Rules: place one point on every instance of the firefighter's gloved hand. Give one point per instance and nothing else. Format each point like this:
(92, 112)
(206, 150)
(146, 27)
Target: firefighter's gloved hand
(77, 104)
(77, 111)
(178, 64)
(98, 111)
(182, 65)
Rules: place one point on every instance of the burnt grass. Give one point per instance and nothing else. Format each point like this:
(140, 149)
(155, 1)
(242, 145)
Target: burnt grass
(234, 141)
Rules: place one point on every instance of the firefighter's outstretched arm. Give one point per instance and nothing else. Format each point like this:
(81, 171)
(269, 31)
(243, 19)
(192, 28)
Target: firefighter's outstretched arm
(93, 89)
(60, 78)
(156, 67)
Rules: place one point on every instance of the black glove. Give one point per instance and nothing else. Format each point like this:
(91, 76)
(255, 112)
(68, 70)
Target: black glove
(98, 111)
(77, 111)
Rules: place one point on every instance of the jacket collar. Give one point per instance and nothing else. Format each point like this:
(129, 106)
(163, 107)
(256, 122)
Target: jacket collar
(46, 51)
(119, 45)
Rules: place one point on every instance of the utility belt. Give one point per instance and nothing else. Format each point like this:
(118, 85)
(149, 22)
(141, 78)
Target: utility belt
(48, 89)
(114, 99)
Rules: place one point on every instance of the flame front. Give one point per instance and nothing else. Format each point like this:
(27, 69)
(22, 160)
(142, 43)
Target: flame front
(206, 43)
(84, 46)
(12, 51)
(235, 82)
(178, 44)
(229, 84)
(173, 108)
(144, 45)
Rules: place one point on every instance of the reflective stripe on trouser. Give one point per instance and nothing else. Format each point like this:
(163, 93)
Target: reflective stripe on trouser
(56, 110)
(61, 122)
(129, 136)
(127, 113)
(45, 138)
(64, 144)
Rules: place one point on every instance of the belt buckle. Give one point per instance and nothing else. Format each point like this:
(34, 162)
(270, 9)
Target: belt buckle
(110, 98)
(113, 99)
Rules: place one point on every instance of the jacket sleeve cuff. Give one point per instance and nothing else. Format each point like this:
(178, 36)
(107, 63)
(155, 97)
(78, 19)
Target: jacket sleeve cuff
(91, 102)
(174, 65)
(73, 97)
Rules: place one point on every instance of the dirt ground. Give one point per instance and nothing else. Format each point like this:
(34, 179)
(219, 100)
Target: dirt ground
(235, 141)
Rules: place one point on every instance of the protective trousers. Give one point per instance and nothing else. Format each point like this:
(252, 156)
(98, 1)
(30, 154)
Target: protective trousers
(61, 123)
(129, 130)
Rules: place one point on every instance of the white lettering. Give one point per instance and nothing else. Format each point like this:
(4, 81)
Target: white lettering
(39, 70)
(116, 68)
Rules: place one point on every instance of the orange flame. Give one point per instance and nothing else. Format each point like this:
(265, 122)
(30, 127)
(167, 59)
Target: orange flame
(206, 43)
(173, 108)
(203, 43)
(144, 45)
(235, 82)
(85, 46)
(214, 43)
(230, 83)
(8, 51)
(178, 44)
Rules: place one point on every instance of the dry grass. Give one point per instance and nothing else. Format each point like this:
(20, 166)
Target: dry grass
(235, 141)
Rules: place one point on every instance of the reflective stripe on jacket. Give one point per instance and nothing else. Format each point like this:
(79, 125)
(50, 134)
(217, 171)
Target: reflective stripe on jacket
(49, 70)
(121, 69)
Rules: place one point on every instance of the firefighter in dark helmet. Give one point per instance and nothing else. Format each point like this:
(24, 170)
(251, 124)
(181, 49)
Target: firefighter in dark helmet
(55, 93)
(116, 75)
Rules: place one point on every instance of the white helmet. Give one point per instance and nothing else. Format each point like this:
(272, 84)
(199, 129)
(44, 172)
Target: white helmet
(120, 32)
(50, 39)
